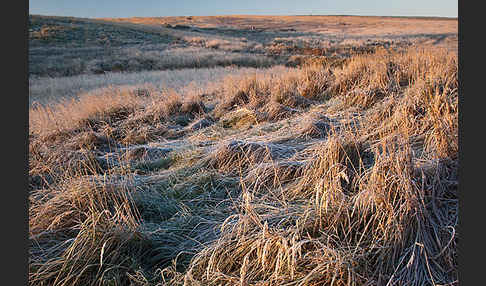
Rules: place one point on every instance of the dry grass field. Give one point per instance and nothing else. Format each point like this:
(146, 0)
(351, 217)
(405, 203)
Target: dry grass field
(48, 90)
(322, 151)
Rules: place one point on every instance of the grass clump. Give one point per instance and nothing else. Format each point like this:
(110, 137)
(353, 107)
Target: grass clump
(238, 155)
(84, 233)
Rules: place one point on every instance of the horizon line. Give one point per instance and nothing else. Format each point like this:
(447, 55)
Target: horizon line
(263, 15)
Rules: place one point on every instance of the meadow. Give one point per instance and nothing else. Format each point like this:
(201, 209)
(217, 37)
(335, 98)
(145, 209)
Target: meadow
(243, 150)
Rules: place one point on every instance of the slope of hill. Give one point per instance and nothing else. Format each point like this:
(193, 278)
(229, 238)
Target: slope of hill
(60, 46)
(65, 46)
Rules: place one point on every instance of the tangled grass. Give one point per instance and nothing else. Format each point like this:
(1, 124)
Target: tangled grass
(346, 175)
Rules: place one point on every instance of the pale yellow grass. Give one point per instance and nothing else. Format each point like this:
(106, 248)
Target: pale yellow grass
(371, 199)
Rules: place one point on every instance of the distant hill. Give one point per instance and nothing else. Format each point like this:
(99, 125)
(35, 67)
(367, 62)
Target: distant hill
(76, 32)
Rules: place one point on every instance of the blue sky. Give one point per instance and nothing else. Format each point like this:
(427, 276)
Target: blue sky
(152, 8)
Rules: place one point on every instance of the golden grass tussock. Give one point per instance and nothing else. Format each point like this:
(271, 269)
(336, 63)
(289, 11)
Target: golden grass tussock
(344, 175)
(371, 77)
(49, 166)
(289, 90)
(426, 109)
(315, 126)
(88, 109)
(265, 177)
(238, 155)
(91, 230)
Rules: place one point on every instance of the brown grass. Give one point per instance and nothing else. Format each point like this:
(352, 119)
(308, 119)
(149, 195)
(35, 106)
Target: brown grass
(346, 175)
(329, 24)
(275, 97)
(315, 126)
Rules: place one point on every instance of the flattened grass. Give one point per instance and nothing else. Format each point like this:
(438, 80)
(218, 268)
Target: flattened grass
(367, 198)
